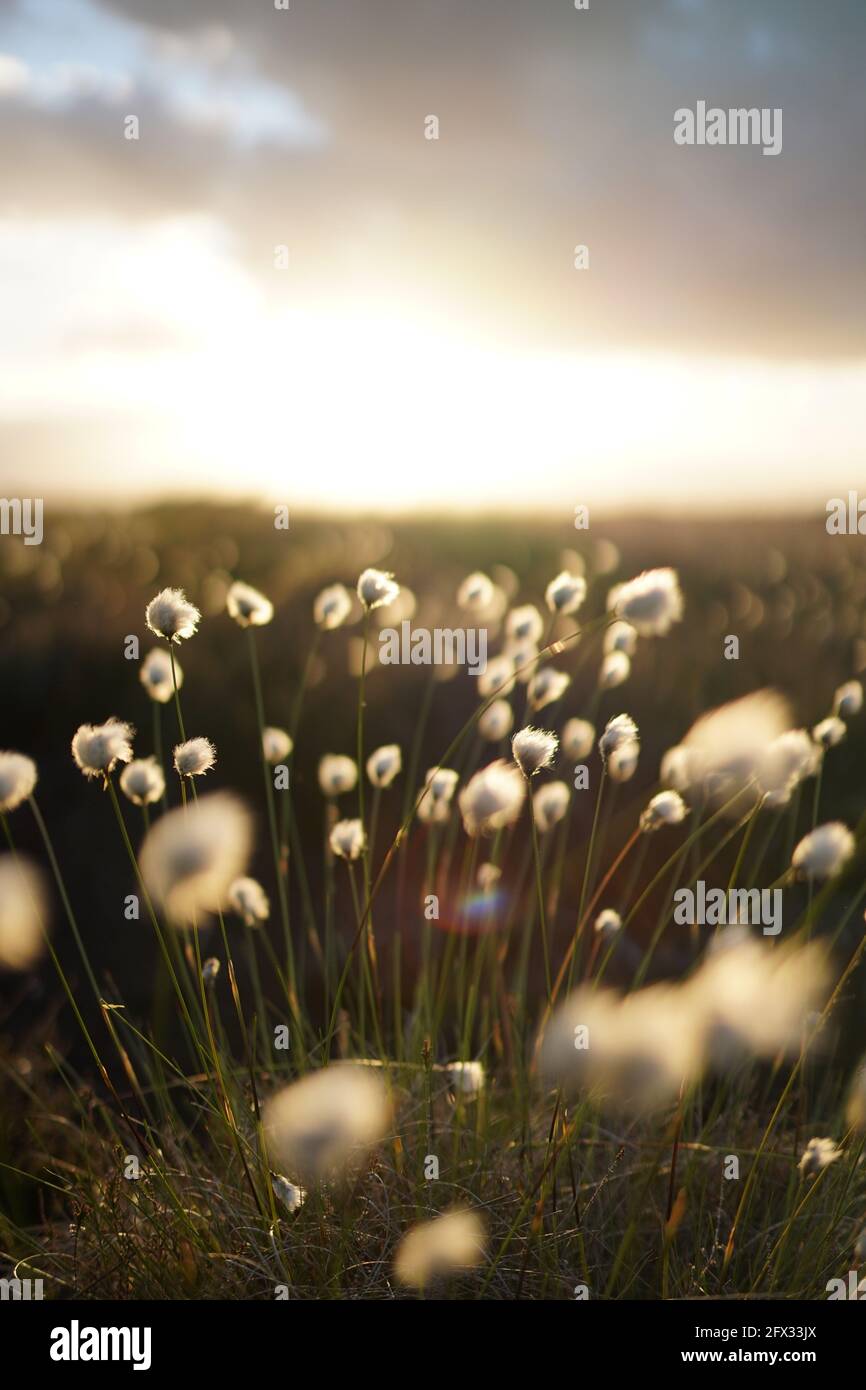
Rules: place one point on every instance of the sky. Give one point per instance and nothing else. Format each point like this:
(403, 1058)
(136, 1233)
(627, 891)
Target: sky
(283, 289)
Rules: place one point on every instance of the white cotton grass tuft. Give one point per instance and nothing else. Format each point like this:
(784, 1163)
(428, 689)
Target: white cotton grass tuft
(434, 807)
(608, 923)
(322, 1126)
(614, 671)
(492, 798)
(818, 1155)
(210, 970)
(143, 781)
(824, 852)
(534, 749)
(155, 675)
(248, 899)
(347, 839)
(192, 855)
(622, 763)
(675, 770)
(652, 602)
(98, 748)
(578, 738)
(23, 913)
(377, 588)
(496, 722)
(549, 805)
(848, 700)
(332, 607)
(619, 731)
(291, 1196)
(466, 1079)
(434, 1249)
(276, 745)
(727, 748)
(620, 637)
(194, 758)
(786, 762)
(829, 732)
(337, 774)
(524, 659)
(17, 780)
(565, 593)
(524, 624)
(545, 687)
(498, 678)
(488, 876)
(172, 616)
(665, 808)
(247, 606)
(384, 764)
(476, 593)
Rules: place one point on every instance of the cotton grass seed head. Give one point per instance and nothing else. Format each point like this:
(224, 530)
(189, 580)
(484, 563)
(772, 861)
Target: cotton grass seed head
(321, 1127)
(623, 761)
(788, 760)
(376, 588)
(578, 737)
(848, 700)
(565, 593)
(534, 749)
(620, 637)
(615, 670)
(23, 911)
(435, 804)
(498, 678)
(818, 1155)
(824, 852)
(247, 606)
(608, 923)
(652, 602)
(291, 1196)
(332, 607)
(143, 781)
(384, 765)
(155, 675)
(347, 839)
(666, 808)
(488, 876)
(98, 748)
(475, 594)
(549, 805)
(434, 1249)
(170, 615)
(496, 721)
(248, 899)
(618, 732)
(337, 774)
(465, 1078)
(194, 758)
(276, 745)
(210, 970)
(524, 624)
(192, 855)
(492, 798)
(829, 732)
(17, 780)
(727, 748)
(545, 687)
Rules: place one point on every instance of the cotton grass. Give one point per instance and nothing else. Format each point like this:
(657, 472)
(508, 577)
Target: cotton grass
(492, 798)
(17, 780)
(194, 757)
(155, 675)
(171, 616)
(434, 1249)
(247, 606)
(98, 748)
(320, 1127)
(192, 855)
(23, 912)
(143, 781)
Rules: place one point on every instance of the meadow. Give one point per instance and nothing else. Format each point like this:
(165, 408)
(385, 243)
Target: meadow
(325, 978)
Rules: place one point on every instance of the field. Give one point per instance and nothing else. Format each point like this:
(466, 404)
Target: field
(420, 1012)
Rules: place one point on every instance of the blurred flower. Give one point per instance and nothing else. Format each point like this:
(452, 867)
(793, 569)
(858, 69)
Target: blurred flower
(523, 657)
(524, 624)
(727, 748)
(565, 593)
(818, 1155)
(194, 757)
(488, 876)
(248, 899)
(496, 721)
(347, 839)
(376, 588)
(652, 602)
(533, 749)
(619, 731)
(210, 969)
(17, 780)
(291, 1196)
(337, 774)
(623, 761)
(607, 923)
(332, 607)
(192, 855)
(467, 1078)
(247, 606)
(824, 852)
(549, 805)
(23, 910)
(276, 744)
(676, 768)
(97, 748)
(475, 594)
(436, 1248)
(546, 686)
(829, 732)
(666, 808)
(322, 1125)
(848, 699)
(492, 798)
(498, 678)
(384, 765)
(155, 675)
(620, 637)
(615, 670)
(169, 615)
(786, 762)
(142, 781)
(578, 736)
(434, 806)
